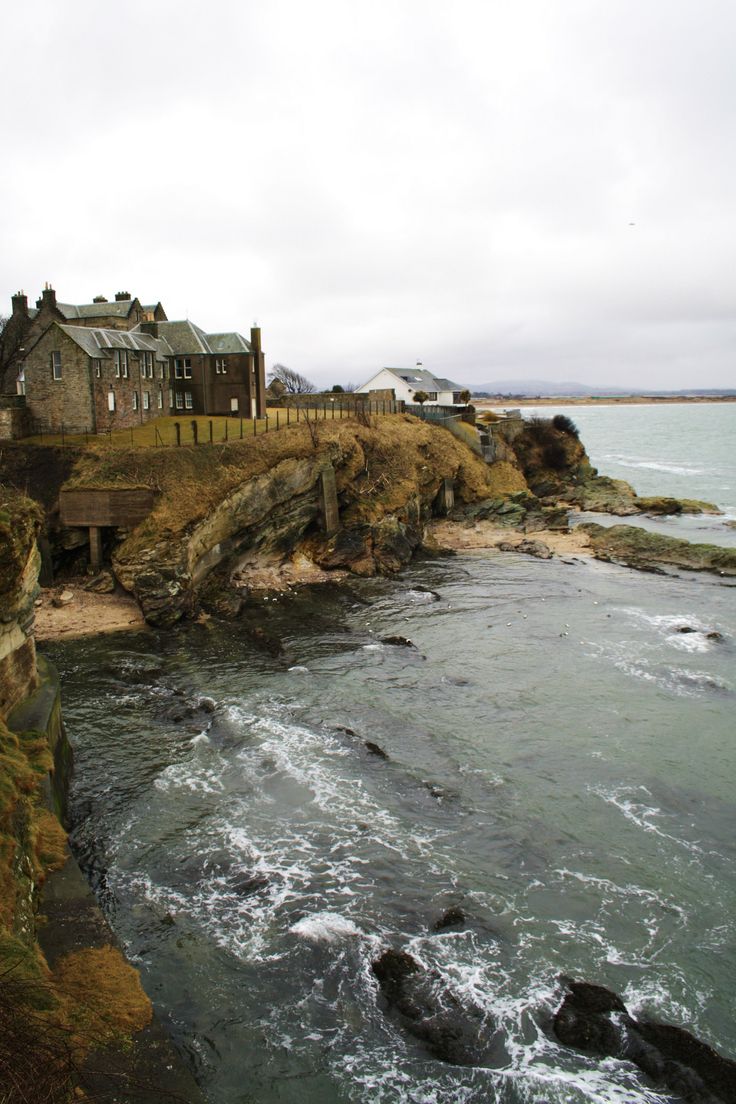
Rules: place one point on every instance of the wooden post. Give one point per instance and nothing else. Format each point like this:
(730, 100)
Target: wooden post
(95, 547)
(210, 431)
(241, 429)
(254, 427)
(177, 429)
(195, 431)
(226, 429)
(277, 419)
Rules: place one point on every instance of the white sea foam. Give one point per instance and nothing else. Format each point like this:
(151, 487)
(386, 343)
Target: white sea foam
(325, 927)
(654, 465)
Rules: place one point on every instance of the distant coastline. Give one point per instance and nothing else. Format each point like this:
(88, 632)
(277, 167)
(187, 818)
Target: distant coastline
(602, 400)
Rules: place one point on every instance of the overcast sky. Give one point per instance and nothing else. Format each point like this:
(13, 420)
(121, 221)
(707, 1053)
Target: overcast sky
(536, 188)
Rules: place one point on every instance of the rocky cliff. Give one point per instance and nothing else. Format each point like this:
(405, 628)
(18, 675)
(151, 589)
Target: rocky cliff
(20, 523)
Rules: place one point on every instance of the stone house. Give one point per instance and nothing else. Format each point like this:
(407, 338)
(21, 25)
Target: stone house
(117, 364)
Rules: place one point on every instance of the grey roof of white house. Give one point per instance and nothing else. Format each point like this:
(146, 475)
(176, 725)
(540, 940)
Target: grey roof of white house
(420, 376)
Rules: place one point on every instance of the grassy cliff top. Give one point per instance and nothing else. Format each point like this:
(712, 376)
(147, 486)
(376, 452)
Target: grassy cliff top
(190, 481)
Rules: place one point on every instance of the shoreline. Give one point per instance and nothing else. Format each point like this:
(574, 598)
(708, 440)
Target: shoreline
(511, 401)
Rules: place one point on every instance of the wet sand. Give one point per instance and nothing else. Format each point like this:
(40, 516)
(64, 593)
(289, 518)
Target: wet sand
(483, 535)
(86, 614)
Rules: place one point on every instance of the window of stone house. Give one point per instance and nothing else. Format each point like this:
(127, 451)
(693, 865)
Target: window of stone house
(188, 401)
(171, 398)
(183, 367)
(120, 362)
(135, 400)
(161, 369)
(221, 367)
(98, 367)
(160, 399)
(146, 400)
(179, 401)
(56, 365)
(111, 401)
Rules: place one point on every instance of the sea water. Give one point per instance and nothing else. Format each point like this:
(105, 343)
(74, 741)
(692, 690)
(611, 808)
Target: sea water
(560, 766)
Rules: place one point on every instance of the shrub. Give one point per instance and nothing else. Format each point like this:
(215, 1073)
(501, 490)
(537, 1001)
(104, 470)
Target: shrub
(554, 455)
(564, 424)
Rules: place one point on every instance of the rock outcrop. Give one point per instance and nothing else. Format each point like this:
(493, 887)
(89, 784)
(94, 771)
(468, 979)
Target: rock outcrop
(596, 1020)
(20, 523)
(633, 546)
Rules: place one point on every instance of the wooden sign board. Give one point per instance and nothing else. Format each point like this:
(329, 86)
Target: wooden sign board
(114, 506)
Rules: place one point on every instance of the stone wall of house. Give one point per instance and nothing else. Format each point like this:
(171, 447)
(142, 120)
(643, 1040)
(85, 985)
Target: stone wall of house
(67, 401)
(125, 413)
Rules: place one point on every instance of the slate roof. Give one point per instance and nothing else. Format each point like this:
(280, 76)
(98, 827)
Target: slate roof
(228, 343)
(420, 376)
(118, 309)
(100, 342)
(184, 337)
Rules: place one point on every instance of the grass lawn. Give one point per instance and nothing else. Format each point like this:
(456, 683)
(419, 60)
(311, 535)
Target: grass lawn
(162, 431)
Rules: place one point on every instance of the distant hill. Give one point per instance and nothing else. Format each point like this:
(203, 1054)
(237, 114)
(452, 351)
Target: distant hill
(547, 389)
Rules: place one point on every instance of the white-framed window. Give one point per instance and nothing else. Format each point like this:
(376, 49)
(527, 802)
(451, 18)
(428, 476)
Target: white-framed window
(221, 367)
(183, 367)
(160, 369)
(160, 399)
(98, 367)
(188, 401)
(171, 398)
(120, 363)
(146, 400)
(147, 365)
(135, 400)
(56, 365)
(111, 401)
(179, 401)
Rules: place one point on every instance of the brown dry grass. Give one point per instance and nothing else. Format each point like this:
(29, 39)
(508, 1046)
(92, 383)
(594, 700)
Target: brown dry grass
(376, 460)
(104, 995)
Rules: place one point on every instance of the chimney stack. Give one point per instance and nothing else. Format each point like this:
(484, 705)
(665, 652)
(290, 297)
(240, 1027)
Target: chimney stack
(122, 296)
(48, 298)
(20, 303)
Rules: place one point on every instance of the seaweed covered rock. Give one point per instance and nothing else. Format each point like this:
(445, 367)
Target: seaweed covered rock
(595, 1019)
(636, 547)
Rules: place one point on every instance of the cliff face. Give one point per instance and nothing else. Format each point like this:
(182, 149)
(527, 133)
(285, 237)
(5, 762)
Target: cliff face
(387, 477)
(20, 523)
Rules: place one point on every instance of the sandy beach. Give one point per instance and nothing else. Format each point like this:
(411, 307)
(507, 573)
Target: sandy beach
(483, 535)
(85, 614)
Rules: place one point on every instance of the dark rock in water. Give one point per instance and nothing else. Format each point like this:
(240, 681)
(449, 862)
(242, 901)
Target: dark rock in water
(450, 1030)
(583, 1020)
(398, 641)
(207, 705)
(347, 731)
(265, 641)
(248, 884)
(453, 917)
(595, 1019)
(376, 749)
(714, 636)
(685, 629)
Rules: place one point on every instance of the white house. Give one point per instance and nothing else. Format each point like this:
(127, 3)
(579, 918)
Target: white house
(406, 382)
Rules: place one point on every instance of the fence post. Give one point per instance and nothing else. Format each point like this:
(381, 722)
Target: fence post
(288, 416)
(210, 431)
(177, 428)
(277, 419)
(195, 431)
(131, 436)
(254, 427)
(226, 429)
(297, 412)
(241, 428)
(267, 423)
